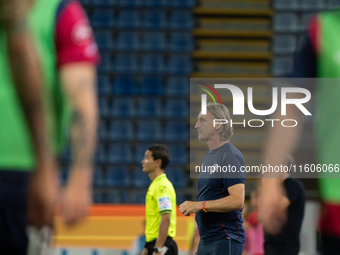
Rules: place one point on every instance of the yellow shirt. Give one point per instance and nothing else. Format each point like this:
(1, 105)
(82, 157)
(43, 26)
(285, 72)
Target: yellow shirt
(160, 199)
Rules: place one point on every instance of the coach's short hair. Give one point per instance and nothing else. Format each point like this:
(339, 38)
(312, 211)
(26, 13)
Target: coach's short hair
(221, 112)
(160, 151)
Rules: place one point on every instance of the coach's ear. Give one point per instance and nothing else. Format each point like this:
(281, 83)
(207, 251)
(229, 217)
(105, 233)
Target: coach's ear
(159, 163)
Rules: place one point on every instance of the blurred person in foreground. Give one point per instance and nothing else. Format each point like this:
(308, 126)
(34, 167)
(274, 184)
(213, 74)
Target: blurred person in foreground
(220, 195)
(58, 92)
(160, 203)
(292, 205)
(317, 58)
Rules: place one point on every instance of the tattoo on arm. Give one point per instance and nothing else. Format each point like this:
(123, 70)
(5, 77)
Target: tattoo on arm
(83, 126)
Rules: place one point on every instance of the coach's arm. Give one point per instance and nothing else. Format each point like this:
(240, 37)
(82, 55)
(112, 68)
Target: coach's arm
(235, 201)
(79, 84)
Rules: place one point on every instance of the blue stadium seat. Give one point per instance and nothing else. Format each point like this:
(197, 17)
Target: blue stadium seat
(123, 107)
(316, 5)
(105, 64)
(128, 41)
(118, 177)
(102, 130)
(130, 3)
(177, 176)
(179, 64)
(177, 108)
(84, 2)
(286, 5)
(112, 197)
(128, 19)
(181, 42)
(183, 3)
(285, 22)
(284, 44)
(333, 4)
(154, 41)
(153, 64)
(103, 19)
(124, 85)
(176, 131)
(124, 196)
(155, 19)
(104, 107)
(150, 107)
(126, 63)
(178, 154)
(282, 66)
(139, 198)
(120, 153)
(104, 85)
(155, 3)
(104, 40)
(305, 20)
(99, 177)
(141, 179)
(151, 86)
(101, 155)
(178, 86)
(121, 130)
(118, 197)
(182, 20)
(149, 131)
(140, 151)
(104, 3)
(98, 197)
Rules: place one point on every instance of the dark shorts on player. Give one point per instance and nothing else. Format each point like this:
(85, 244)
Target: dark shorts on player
(280, 249)
(13, 221)
(221, 247)
(330, 244)
(170, 243)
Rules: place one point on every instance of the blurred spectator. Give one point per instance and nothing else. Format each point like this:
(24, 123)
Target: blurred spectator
(139, 242)
(253, 229)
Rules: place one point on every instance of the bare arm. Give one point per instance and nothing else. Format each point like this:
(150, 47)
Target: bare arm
(235, 201)
(27, 76)
(163, 230)
(78, 81)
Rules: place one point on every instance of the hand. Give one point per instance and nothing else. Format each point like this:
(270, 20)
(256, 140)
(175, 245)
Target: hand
(42, 195)
(271, 213)
(76, 198)
(156, 253)
(190, 207)
(144, 252)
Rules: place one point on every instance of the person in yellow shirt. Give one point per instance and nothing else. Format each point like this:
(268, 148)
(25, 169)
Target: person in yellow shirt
(160, 204)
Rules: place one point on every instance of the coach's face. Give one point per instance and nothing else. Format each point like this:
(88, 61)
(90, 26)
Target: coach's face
(148, 163)
(205, 126)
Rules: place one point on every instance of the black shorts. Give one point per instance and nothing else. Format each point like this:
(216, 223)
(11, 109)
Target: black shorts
(169, 242)
(13, 203)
